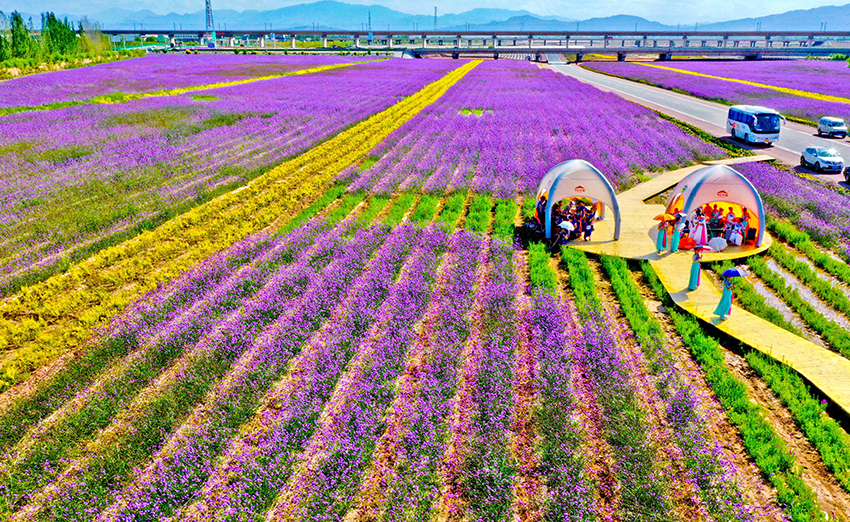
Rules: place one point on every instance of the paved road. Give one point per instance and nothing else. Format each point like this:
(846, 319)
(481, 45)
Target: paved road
(711, 117)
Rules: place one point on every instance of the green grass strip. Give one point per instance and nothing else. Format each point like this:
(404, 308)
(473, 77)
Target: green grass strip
(452, 210)
(478, 218)
(373, 207)
(835, 297)
(802, 242)
(349, 201)
(776, 463)
(836, 336)
(747, 297)
(399, 208)
(503, 226)
(425, 209)
(581, 280)
(539, 271)
(828, 437)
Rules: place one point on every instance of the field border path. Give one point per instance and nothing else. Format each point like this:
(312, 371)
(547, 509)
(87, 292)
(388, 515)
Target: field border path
(825, 370)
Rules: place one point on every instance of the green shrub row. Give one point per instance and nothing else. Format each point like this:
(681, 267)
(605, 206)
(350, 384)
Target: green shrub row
(399, 208)
(763, 444)
(425, 209)
(747, 297)
(802, 242)
(836, 336)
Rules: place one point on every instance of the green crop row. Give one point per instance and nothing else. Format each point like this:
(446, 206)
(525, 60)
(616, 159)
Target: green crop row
(689, 429)
(828, 437)
(824, 289)
(776, 463)
(836, 336)
(747, 297)
(801, 241)
(503, 226)
(539, 271)
(478, 218)
(452, 210)
(581, 279)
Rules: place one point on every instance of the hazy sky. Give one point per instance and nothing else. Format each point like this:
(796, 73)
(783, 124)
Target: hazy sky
(665, 11)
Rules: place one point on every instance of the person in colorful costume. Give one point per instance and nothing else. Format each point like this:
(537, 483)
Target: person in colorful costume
(693, 283)
(700, 232)
(724, 308)
(661, 238)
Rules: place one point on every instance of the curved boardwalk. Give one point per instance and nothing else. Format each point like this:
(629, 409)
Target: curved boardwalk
(826, 370)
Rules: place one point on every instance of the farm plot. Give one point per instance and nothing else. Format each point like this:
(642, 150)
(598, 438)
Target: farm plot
(152, 73)
(819, 80)
(353, 369)
(67, 193)
(508, 122)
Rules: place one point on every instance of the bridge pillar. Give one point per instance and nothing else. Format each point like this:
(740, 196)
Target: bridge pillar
(621, 57)
(686, 41)
(232, 42)
(389, 41)
(606, 41)
(530, 40)
(567, 41)
(262, 41)
(459, 43)
(325, 41)
(356, 40)
(292, 41)
(424, 41)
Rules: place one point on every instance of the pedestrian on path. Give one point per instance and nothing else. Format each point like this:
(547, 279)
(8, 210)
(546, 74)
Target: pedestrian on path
(661, 238)
(724, 308)
(677, 235)
(693, 283)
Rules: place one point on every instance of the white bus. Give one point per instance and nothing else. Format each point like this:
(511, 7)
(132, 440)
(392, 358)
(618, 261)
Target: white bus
(754, 124)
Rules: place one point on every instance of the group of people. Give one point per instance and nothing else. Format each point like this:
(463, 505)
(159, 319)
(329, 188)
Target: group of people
(579, 216)
(710, 221)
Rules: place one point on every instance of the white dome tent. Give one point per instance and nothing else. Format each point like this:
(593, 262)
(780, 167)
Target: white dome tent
(721, 185)
(577, 179)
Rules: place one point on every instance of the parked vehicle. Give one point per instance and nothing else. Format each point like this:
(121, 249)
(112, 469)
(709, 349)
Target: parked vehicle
(832, 127)
(754, 124)
(822, 159)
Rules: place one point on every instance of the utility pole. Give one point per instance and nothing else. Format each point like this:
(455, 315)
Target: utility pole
(210, 24)
(370, 21)
(435, 18)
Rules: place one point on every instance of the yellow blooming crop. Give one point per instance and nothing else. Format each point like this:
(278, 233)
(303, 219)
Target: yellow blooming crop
(49, 318)
(786, 90)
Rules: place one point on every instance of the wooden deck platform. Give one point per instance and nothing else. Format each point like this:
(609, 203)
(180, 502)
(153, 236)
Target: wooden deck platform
(826, 370)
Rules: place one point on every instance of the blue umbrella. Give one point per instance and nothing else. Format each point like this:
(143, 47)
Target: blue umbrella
(734, 272)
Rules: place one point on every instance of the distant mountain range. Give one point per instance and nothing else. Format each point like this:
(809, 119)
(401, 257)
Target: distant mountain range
(330, 14)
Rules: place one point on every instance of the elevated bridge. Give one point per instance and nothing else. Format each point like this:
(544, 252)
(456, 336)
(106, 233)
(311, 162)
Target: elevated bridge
(664, 44)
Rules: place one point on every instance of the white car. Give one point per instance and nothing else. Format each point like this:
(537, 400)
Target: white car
(822, 159)
(832, 127)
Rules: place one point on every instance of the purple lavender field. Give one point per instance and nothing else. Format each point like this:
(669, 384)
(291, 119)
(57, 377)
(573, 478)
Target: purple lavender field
(75, 177)
(152, 73)
(815, 76)
(508, 122)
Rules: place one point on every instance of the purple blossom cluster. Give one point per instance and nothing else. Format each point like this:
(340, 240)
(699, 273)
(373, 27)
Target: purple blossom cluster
(820, 211)
(813, 76)
(506, 123)
(64, 189)
(152, 73)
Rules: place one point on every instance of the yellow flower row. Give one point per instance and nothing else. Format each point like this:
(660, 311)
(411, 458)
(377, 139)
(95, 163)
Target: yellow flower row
(47, 319)
(786, 90)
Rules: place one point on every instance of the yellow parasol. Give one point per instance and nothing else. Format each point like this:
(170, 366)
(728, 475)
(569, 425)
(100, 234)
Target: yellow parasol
(663, 217)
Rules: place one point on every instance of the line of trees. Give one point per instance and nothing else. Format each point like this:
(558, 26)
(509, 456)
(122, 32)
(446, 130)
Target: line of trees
(58, 39)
